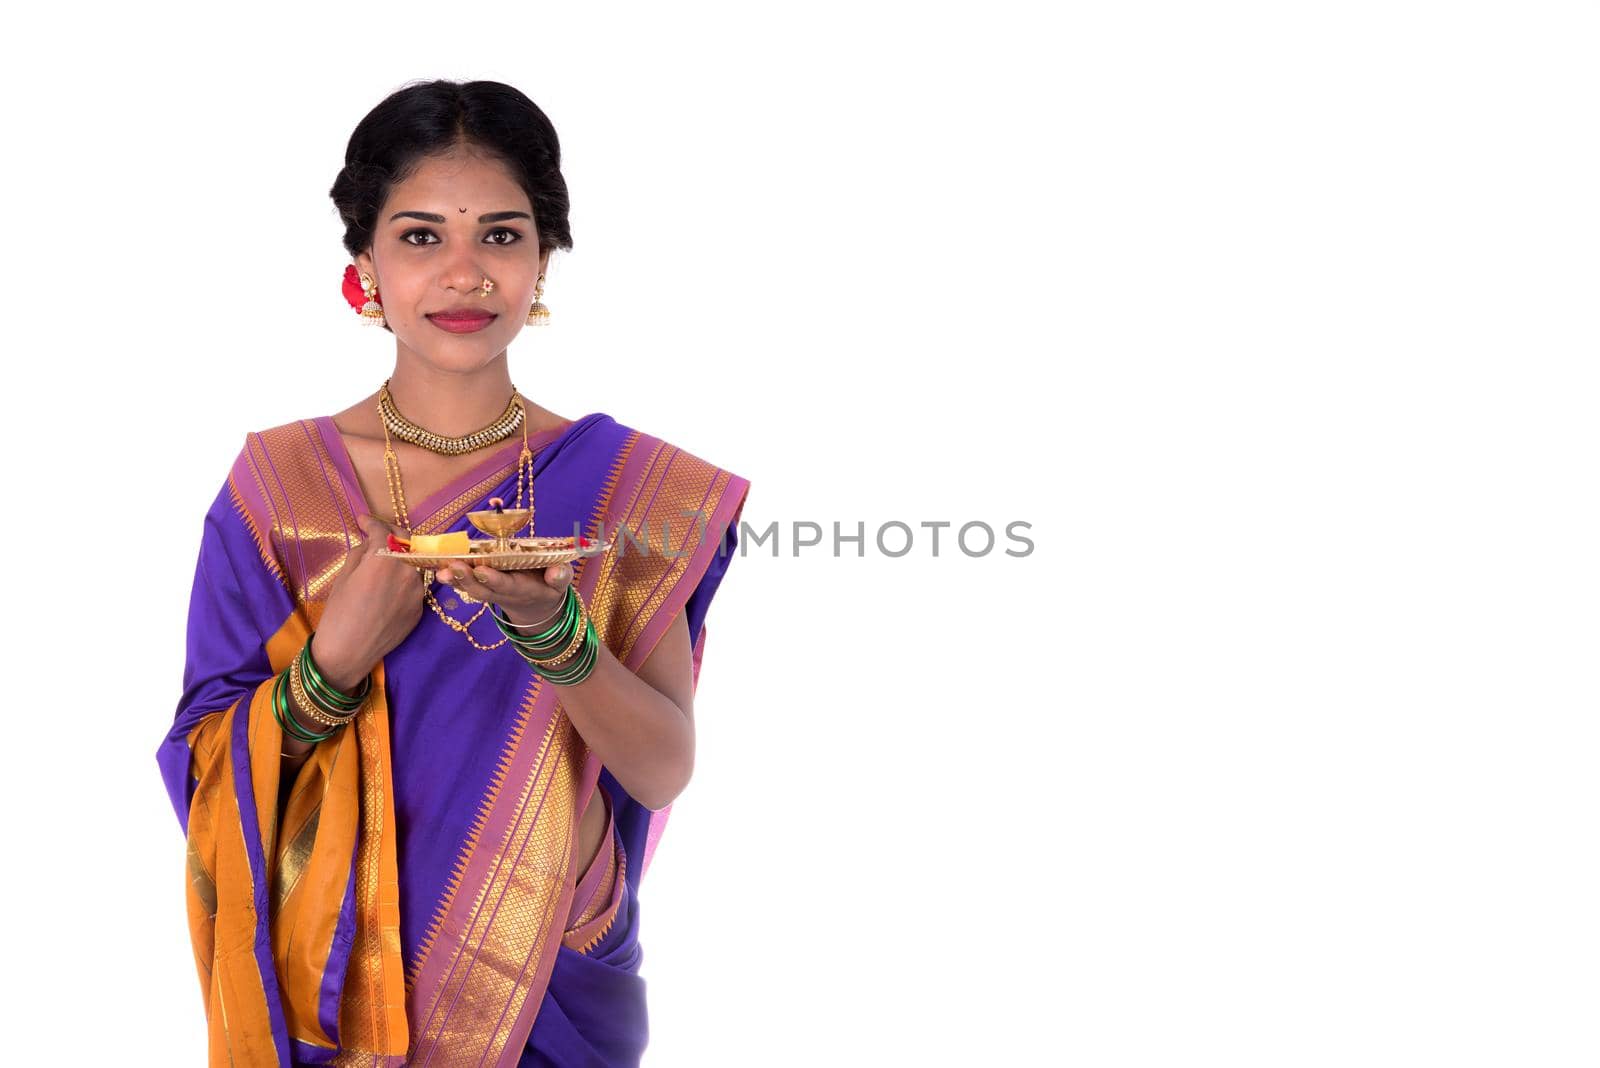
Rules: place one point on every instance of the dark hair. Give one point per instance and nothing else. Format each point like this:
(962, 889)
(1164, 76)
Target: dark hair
(432, 118)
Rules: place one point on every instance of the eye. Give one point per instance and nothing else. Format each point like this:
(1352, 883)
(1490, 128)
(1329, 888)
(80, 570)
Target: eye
(512, 235)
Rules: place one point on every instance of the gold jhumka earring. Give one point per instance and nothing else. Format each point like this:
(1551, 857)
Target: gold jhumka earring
(371, 311)
(538, 315)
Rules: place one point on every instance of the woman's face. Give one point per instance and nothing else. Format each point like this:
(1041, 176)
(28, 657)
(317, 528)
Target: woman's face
(457, 220)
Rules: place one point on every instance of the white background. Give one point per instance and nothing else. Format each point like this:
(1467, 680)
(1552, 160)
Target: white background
(1276, 322)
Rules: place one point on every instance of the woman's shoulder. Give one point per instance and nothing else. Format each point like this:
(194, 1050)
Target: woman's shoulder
(284, 474)
(292, 487)
(682, 450)
(668, 471)
(270, 451)
(291, 428)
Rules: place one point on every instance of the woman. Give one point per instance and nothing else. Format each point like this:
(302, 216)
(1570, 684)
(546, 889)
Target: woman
(419, 804)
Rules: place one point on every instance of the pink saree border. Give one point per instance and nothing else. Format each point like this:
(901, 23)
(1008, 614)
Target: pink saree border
(730, 494)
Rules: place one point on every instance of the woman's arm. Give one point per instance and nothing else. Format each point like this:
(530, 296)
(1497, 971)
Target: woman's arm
(641, 726)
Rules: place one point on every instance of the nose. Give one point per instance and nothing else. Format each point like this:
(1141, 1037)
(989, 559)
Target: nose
(461, 270)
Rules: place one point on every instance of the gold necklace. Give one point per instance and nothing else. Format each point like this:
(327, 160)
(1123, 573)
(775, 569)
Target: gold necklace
(404, 429)
(397, 499)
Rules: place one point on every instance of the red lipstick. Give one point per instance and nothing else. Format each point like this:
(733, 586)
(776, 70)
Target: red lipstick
(461, 320)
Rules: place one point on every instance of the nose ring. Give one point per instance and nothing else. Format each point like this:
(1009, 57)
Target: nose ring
(487, 287)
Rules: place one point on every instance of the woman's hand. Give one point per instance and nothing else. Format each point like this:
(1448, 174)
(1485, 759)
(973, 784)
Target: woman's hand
(373, 604)
(525, 597)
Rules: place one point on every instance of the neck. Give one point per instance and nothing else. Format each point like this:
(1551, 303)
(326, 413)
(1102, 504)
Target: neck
(451, 403)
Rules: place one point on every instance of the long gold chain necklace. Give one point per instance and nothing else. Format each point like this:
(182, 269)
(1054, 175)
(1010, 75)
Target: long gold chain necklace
(397, 499)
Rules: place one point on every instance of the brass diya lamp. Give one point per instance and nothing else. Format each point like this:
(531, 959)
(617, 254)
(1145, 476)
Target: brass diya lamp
(500, 522)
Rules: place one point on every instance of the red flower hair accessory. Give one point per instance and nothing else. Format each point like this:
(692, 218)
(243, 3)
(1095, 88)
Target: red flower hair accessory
(352, 287)
(371, 309)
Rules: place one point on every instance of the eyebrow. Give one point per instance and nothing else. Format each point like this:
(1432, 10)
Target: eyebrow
(493, 216)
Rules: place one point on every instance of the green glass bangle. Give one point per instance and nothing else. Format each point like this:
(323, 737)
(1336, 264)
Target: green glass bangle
(321, 701)
(316, 674)
(568, 603)
(538, 648)
(560, 635)
(322, 688)
(319, 695)
(286, 720)
(301, 732)
(286, 716)
(569, 648)
(529, 654)
(319, 687)
(557, 636)
(583, 664)
(516, 637)
(582, 670)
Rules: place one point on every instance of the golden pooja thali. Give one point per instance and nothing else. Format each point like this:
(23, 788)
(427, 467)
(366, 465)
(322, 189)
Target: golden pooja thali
(500, 550)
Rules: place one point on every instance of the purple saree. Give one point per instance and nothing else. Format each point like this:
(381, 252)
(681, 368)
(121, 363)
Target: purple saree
(416, 901)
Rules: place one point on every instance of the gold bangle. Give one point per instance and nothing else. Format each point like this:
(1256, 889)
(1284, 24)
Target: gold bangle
(297, 689)
(303, 702)
(572, 646)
